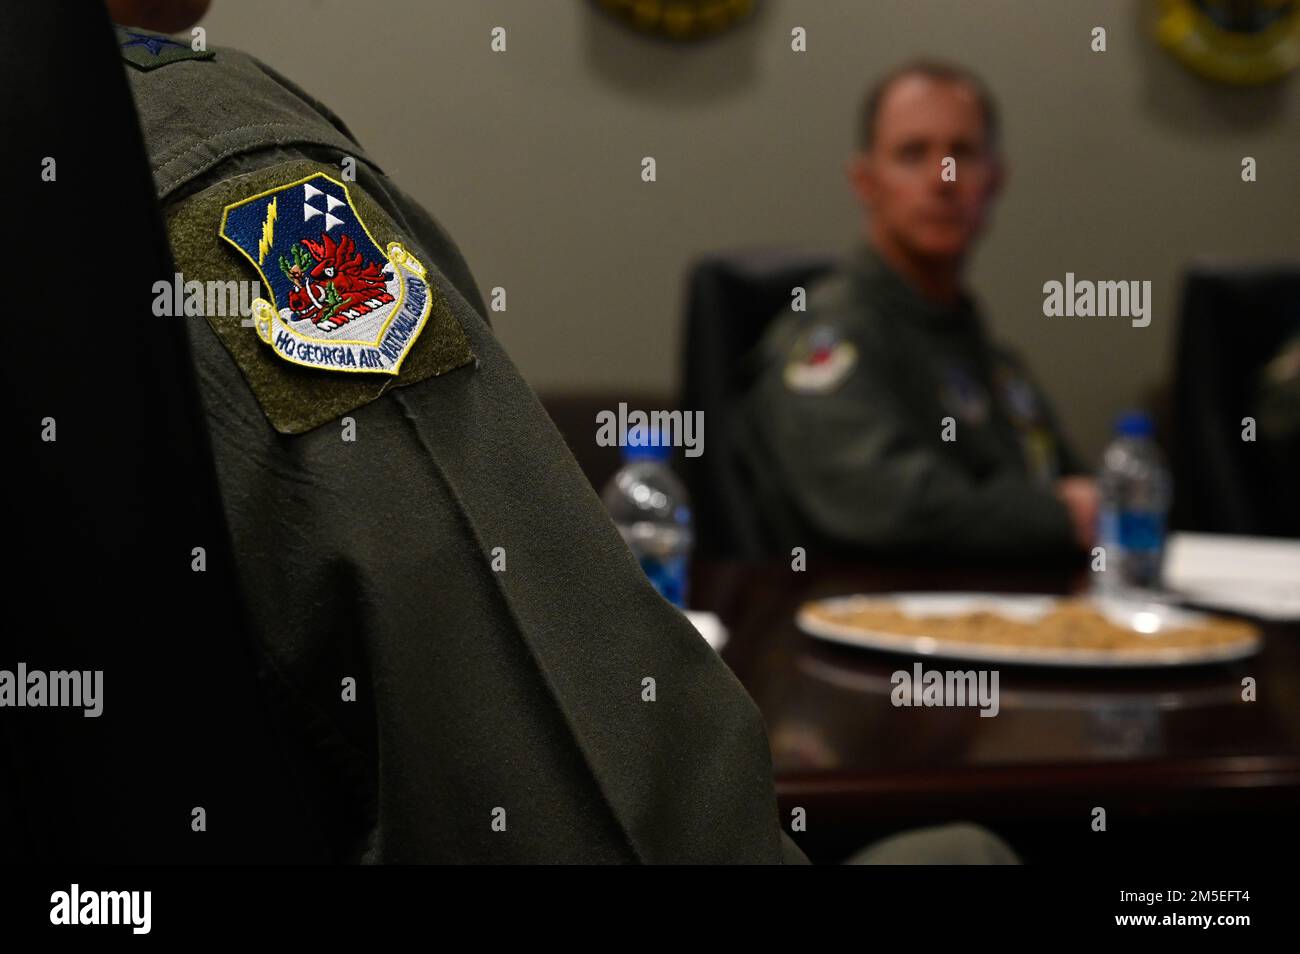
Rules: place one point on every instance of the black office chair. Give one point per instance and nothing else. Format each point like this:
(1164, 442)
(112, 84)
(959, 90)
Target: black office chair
(1234, 319)
(731, 298)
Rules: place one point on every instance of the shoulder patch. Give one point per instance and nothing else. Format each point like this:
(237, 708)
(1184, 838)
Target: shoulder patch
(819, 361)
(336, 301)
(338, 309)
(146, 50)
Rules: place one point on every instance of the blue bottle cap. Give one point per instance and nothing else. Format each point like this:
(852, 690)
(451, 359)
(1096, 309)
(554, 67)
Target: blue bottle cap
(642, 443)
(1135, 424)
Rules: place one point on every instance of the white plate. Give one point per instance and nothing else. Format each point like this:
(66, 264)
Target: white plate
(1144, 617)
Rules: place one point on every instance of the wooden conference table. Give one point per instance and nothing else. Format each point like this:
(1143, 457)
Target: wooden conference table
(1180, 764)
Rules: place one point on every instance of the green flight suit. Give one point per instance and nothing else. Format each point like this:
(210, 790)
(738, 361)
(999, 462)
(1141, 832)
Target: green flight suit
(451, 558)
(881, 422)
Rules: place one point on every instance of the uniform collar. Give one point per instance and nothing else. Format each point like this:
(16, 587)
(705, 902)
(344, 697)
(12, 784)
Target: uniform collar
(886, 285)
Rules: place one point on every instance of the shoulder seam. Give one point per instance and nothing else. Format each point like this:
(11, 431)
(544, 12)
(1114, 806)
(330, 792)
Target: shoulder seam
(293, 134)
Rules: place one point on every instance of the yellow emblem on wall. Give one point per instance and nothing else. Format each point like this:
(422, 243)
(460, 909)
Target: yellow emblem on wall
(1244, 42)
(680, 19)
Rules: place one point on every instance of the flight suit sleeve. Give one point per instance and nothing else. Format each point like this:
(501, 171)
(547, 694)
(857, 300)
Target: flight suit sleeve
(459, 629)
(862, 477)
(1072, 464)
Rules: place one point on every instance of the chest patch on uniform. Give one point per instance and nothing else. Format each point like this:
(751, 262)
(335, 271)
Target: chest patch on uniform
(820, 360)
(964, 396)
(1037, 444)
(337, 306)
(146, 50)
(1019, 398)
(337, 301)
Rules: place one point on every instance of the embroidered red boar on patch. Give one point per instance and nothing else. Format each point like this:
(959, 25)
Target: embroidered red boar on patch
(335, 285)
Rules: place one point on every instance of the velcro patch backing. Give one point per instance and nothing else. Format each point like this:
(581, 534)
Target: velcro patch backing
(298, 397)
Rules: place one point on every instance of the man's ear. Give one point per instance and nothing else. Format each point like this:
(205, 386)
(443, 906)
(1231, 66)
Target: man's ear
(862, 178)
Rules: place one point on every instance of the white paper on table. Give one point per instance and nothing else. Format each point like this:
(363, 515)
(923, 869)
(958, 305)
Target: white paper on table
(1259, 576)
(709, 626)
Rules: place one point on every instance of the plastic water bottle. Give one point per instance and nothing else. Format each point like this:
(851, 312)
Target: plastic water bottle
(650, 507)
(1135, 493)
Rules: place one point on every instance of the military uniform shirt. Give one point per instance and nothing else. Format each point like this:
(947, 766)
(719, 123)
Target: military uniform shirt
(451, 559)
(881, 422)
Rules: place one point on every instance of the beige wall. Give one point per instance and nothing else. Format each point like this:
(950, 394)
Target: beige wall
(1124, 165)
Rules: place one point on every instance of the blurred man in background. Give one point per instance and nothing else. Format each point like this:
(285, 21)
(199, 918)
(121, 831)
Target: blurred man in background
(885, 419)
